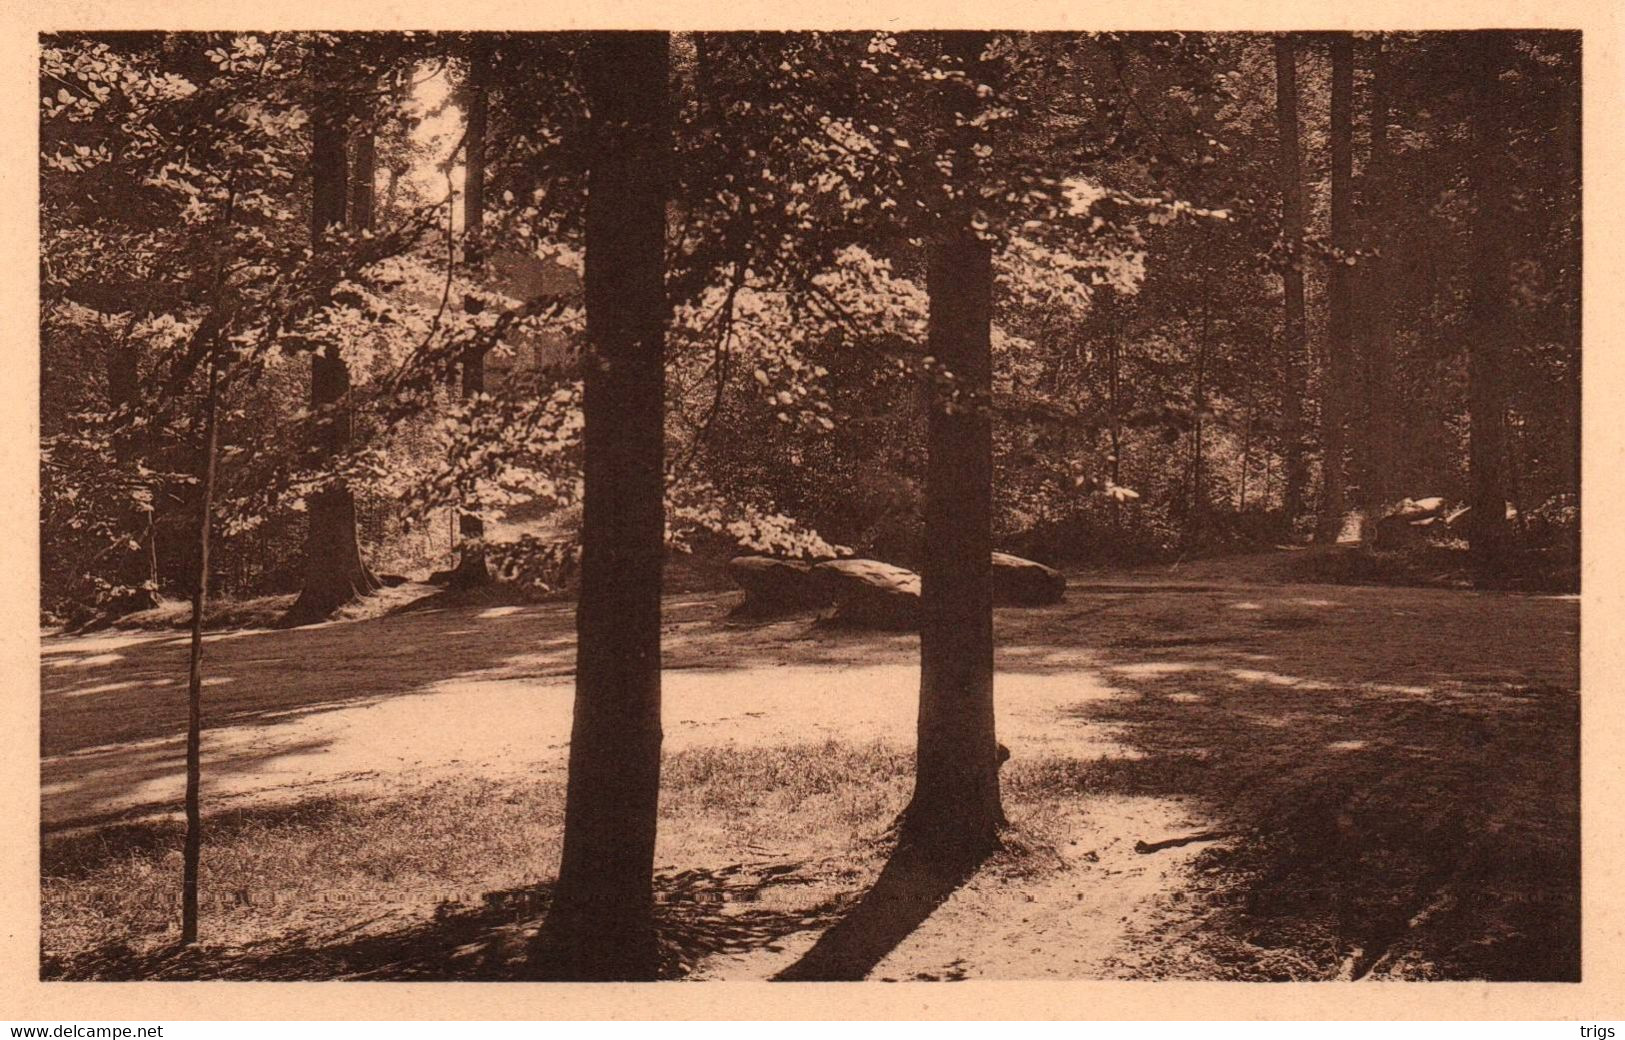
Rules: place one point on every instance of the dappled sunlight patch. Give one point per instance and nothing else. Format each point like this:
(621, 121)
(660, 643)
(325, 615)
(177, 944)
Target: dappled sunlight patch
(61, 645)
(87, 662)
(237, 633)
(1016, 657)
(1246, 605)
(1254, 675)
(1400, 688)
(111, 687)
(499, 612)
(1186, 698)
(1154, 668)
(1346, 745)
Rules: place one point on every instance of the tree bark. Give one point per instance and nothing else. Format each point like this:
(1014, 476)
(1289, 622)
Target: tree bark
(1488, 312)
(335, 574)
(138, 567)
(192, 854)
(472, 570)
(1198, 499)
(1569, 142)
(601, 924)
(1335, 376)
(364, 182)
(956, 811)
(1295, 338)
(1378, 485)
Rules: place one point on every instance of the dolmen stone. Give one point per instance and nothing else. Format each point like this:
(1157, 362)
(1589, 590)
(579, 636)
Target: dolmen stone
(774, 586)
(871, 594)
(1025, 583)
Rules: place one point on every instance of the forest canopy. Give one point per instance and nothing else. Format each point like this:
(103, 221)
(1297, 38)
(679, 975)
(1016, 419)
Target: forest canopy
(1247, 290)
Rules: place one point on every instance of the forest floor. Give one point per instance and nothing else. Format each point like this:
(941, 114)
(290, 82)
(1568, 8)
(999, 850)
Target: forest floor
(1215, 773)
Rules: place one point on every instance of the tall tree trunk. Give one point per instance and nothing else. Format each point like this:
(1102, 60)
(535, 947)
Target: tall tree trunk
(1568, 137)
(471, 570)
(1378, 486)
(1488, 313)
(193, 851)
(1295, 340)
(364, 183)
(956, 811)
(138, 565)
(334, 571)
(601, 924)
(1198, 500)
(1107, 302)
(1335, 376)
(1246, 451)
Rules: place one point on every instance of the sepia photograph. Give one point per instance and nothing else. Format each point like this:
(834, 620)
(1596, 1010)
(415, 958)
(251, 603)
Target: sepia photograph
(809, 506)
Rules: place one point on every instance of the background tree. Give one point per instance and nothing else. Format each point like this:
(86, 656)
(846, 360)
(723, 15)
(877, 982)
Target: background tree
(335, 573)
(1295, 337)
(1335, 379)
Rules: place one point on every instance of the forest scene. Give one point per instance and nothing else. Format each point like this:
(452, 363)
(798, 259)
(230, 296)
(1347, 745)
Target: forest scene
(814, 506)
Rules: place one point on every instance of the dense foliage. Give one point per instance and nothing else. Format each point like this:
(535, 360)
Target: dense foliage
(1127, 181)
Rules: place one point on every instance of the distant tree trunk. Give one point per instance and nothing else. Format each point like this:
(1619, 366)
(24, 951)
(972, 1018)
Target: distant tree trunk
(138, 567)
(193, 852)
(1246, 451)
(392, 182)
(956, 811)
(1295, 340)
(1376, 313)
(364, 184)
(471, 570)
(1488, 311)
(1198, 500)
(334, 571)
(1114, 366)
(1335, 377)
(601, 924)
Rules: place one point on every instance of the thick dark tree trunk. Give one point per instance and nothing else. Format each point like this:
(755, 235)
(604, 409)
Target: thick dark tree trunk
(1295, 338)
(956, 811)
(1335, 376)
(334, 571)
(1568, 137)
(1488, 310)
(472, 570)
(1378, 486)
(193, 852)
(601, 924)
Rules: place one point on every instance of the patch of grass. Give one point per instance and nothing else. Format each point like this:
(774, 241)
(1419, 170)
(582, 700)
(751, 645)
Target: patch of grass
(302, 874)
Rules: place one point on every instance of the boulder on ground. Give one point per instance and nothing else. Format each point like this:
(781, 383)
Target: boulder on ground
(1411, 509)
(1025, 583)
(776, 586)
(871, 594)
(1413, 521)
(1394, 532)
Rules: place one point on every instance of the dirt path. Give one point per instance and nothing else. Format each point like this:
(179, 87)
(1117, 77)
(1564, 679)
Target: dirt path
(1113, 704)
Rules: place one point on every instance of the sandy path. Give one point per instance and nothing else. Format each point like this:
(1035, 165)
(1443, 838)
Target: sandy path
(397, 702)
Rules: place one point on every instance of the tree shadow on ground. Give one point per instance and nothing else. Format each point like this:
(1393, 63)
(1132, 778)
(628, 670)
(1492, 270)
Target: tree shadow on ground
(1390, 831)
(700, 913)
(909, 889)
(1396, 768)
